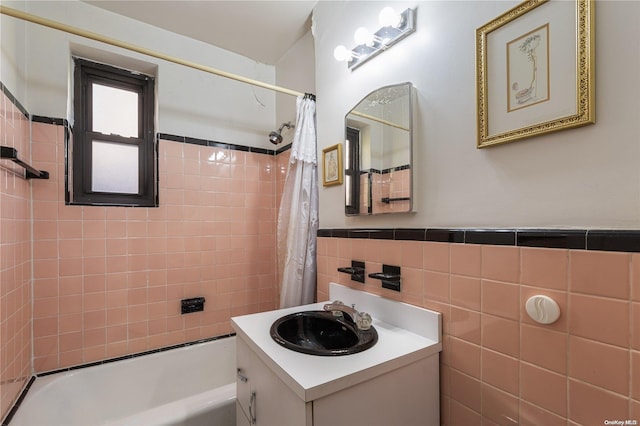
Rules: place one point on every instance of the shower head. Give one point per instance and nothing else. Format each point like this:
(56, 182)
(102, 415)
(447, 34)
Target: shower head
(275, 137)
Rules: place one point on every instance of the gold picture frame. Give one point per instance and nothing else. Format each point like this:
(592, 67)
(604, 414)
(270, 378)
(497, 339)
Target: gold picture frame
(528, 81)
(332, 170)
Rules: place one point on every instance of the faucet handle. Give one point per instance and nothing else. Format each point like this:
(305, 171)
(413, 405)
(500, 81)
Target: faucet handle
(335, 312)
(363, 321)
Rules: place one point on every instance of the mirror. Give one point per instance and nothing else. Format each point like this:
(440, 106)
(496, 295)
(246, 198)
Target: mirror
(379, 153)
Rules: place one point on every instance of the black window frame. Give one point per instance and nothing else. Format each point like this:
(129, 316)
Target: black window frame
(352, 169)
(85, 74)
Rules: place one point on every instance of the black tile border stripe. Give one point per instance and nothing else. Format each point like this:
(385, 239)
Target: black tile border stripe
(224, 145)
(49, 120)
(613, 240)
(577, 239)
(596, 239)
(13, 99)
(16, 405)
(501, 237)
(283, 149)
(445, 235)
(163, 136)
(386, 171)
(136, 355)
(23, 394)
(550, 238)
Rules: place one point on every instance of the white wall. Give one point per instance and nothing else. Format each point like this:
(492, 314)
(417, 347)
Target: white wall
(295, 71)
(582, 178)
(191, 103)
(12, 52)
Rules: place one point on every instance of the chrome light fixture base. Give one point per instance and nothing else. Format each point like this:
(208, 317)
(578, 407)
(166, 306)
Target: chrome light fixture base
(384, 38)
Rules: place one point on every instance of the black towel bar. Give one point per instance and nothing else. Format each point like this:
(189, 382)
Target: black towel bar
(10, 153)
(388, 200)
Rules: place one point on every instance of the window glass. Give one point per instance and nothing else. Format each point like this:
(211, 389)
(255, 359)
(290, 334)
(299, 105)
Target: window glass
(113, 151)
(114, 168)
(115, 111)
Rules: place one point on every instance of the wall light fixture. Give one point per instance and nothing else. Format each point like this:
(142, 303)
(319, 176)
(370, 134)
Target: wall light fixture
(394, 27)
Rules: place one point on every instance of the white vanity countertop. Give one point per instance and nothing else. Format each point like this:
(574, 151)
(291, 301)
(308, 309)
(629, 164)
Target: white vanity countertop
(311, 376)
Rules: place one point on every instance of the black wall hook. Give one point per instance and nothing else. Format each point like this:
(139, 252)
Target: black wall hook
(390, 277)
(356, 270)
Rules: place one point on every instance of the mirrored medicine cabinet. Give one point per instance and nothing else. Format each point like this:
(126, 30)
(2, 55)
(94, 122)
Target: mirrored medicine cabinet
(378, 157)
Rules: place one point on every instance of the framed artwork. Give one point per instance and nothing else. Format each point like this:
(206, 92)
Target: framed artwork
(332, 171)
(535, 70)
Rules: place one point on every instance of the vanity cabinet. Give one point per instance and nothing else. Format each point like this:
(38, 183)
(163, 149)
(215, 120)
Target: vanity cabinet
(405, 396)
(393, 383)
(263, 396)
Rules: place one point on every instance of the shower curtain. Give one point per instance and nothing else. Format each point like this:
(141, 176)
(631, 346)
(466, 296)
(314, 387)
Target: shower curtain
(298, 214)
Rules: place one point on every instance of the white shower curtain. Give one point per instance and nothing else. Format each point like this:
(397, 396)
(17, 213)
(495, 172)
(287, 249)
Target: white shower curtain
(298, 214)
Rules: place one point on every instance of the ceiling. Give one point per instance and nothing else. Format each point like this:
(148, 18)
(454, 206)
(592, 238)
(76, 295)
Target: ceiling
(262, 30)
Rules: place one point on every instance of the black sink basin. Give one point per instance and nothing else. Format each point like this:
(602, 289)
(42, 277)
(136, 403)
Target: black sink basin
(321, 333)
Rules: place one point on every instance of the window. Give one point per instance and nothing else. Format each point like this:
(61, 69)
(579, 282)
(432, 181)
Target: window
(352, 172)
(113, 158)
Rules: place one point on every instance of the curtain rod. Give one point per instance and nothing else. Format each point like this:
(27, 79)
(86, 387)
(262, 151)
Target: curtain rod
(379, 120)
(97, 37)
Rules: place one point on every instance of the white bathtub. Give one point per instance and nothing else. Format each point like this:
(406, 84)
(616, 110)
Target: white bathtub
(192, 385)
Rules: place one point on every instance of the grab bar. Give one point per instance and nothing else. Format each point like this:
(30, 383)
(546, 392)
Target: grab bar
(388, 200)
(10, 153)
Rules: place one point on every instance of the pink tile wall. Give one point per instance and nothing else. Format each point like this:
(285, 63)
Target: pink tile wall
(364, 193)
(108, 280)
(394, 184)
(498, 367)
(15, 258)
(400, 187)
(379, 189)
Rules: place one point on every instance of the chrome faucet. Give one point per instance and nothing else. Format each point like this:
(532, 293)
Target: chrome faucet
(362, 319)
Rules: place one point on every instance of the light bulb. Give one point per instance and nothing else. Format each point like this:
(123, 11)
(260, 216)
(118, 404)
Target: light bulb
(341, 53)
(389, 18)
(363, 36)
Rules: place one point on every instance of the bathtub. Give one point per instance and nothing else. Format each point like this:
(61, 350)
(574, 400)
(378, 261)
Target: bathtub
(192, 386)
